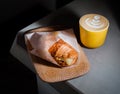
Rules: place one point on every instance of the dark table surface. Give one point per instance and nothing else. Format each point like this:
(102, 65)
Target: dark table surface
(103, 77)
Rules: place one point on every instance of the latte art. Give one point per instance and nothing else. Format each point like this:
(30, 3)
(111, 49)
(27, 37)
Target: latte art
(95, 22)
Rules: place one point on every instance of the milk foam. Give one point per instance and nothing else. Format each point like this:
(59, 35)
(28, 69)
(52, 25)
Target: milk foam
(95, 22)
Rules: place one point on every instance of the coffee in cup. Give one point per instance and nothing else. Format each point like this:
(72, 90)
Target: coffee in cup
(93, 30)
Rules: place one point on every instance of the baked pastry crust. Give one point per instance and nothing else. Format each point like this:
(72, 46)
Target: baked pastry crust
(63, 53)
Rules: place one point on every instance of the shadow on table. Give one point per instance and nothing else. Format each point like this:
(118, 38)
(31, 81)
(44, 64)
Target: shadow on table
(63, 88)
(64, 18)
(15, 77)
(115, 10)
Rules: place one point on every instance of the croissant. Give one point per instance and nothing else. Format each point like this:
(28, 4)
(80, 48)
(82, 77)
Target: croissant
(63, 53)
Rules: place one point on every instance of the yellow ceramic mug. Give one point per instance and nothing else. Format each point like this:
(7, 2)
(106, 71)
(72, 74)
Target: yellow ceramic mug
(93, 30)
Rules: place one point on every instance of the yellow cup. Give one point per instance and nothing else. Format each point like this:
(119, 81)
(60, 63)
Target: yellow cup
(93, 30)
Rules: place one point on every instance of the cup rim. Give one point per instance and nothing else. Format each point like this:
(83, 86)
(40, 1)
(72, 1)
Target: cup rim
(107, 26)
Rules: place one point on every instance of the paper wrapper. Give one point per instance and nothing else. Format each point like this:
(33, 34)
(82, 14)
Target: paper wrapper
(42, 41)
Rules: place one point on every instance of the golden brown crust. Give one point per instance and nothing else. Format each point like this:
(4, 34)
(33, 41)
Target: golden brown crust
(63, 53)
